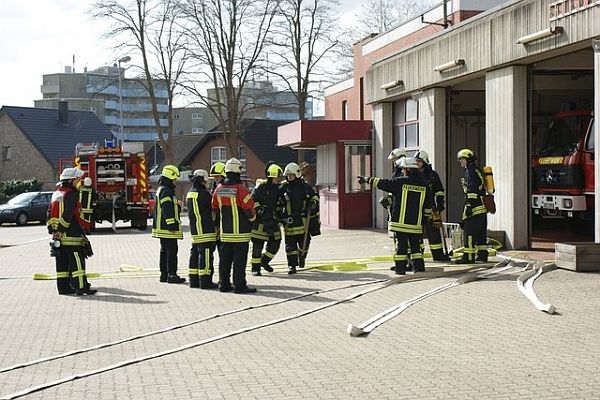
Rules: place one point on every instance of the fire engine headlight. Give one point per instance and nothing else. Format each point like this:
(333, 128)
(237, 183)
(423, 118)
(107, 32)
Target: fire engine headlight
(568, 203)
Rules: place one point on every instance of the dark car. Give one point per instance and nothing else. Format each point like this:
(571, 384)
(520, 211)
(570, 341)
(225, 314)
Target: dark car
(25, 207)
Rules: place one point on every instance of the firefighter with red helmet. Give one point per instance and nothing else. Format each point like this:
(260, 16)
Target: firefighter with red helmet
(411, 206)
(69, 246)
(433, 225)
(202, 229)
(166, 224)
(266, 227)
(474, 212)
(299, 201)
(234, 207)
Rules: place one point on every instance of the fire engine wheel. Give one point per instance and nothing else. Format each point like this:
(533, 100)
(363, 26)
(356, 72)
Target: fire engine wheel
(22, 219)
(140, 224)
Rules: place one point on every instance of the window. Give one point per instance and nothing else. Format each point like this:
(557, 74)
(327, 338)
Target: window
(590, 143)
(6, 153)
(197, 130)
(406, 123)
(345, 109)
(242, 154)
(196, 116)
(218, 154)
(176, 116)
(358, 163)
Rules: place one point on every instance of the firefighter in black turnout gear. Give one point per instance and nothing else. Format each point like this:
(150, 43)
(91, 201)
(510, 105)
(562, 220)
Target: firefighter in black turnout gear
(266, 227)
(433, 225)
(411, 207)
(299, 201)
(87, 198)
(235, 208)
(70, 247)
(202, 229)
(166, 224)
(474, 213)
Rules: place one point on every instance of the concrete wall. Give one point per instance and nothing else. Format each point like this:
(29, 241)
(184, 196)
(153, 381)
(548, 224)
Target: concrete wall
(506, 151)
(26, 161)
(382, 146)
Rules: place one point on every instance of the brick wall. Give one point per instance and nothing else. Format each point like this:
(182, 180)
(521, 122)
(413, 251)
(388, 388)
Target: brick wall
(26, 161)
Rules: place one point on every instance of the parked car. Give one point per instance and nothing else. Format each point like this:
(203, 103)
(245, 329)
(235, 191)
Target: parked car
(25, 207)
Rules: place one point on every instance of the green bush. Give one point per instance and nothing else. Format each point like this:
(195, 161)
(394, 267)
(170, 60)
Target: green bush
(14, 187)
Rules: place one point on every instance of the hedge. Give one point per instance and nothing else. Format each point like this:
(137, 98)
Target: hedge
(14, 187)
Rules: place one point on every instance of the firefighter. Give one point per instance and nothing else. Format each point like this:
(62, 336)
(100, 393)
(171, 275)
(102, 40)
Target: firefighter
(394, 156)
(474, 216)
(386, 200)
(202, 229)
(298, 200)
(235, 208)
(412, 204)
(433, 225)
(265, 227)
(70, 247)
(217, 172)
(166, 224)
(87, 198)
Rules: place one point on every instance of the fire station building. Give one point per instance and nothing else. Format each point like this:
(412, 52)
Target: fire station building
(492, 76)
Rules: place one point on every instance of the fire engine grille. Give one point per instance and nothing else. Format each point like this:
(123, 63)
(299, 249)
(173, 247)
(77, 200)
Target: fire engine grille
(558, 176)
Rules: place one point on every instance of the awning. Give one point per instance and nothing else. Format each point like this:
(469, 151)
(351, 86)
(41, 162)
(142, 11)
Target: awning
(311, 133)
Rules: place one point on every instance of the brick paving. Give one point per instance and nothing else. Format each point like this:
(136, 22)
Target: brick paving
(479, 340)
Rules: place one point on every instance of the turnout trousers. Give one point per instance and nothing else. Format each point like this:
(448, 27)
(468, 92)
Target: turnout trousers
(406, 242)
(258, 257)
(168, 257)
(201, 263)
(236, 254)
(293, 249)
(70, 270)
(475, 238)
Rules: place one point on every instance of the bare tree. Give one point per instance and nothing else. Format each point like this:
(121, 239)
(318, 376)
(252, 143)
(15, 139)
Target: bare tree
(378, 16)
(148, 29)
(226, 40)
(305, 35)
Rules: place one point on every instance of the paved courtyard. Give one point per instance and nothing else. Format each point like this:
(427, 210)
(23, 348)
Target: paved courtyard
(481, 340)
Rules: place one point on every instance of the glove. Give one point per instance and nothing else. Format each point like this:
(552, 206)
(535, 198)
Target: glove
(385, 201)
(312, 205)
(468, 210)
(440, 208)
(436, 220)
(364, 179)
(260, 211)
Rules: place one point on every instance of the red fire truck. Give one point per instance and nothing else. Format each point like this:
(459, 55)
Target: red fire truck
(120, 179)
(563, 170)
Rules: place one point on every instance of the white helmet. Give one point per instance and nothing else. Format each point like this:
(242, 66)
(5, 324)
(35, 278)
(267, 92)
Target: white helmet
(233, 165)
(71, 173)
(407, 162)
(292, 168)
(87, 181)
(200, 173)
(422, 155)
(396, 153)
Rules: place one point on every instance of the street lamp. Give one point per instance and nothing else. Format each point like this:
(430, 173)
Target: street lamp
(124, 59)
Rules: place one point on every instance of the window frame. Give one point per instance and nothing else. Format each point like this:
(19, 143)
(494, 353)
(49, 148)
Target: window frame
(222, 150)
(400, 123)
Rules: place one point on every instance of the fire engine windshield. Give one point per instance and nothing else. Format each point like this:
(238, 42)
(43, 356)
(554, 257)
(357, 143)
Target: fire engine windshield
(562, 136)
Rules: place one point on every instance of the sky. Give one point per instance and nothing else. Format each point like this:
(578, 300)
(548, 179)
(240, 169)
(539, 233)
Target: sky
(42, 36)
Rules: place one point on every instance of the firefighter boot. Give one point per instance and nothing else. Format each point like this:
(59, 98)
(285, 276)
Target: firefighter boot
(256, 270)
(291, 269)
(400, 268)
(439, 255)
(175, 279)
(264, 263)
(301, 260)
(244, 290)
(207, 283)
(194, 281)
(225, 287)
(464, 260)
(482, 256)
(85, 291)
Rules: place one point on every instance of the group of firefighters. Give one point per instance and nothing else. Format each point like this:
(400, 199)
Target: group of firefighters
(415, 203)
(225, 216)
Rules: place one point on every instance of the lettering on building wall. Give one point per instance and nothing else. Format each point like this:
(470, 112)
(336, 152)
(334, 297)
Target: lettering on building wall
(564, 8)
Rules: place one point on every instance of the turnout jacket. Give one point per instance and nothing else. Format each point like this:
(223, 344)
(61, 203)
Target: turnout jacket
(437, 188)
(268, 207)
(472, 183)
(235, 208)
(200, 213)
(295, 197)
(166, 223)
(411, 205)
(65, 216)
(87, 198)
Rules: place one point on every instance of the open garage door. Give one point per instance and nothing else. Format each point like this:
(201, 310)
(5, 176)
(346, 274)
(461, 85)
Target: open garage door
(561, 149)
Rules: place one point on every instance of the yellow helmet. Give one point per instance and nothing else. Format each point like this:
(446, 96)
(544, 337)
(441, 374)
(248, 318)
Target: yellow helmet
(465, 153)
(217, 169)
(170, 172)
(274, 171)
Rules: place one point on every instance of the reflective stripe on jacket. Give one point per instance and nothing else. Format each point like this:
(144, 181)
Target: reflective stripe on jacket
(200, 213)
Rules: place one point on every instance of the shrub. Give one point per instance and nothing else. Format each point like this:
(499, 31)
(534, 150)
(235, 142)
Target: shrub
(14, 187)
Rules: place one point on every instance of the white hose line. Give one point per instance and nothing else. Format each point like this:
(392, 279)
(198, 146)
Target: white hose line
(23, 243)
(372, 323)
(179, 326)
(525, 283)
